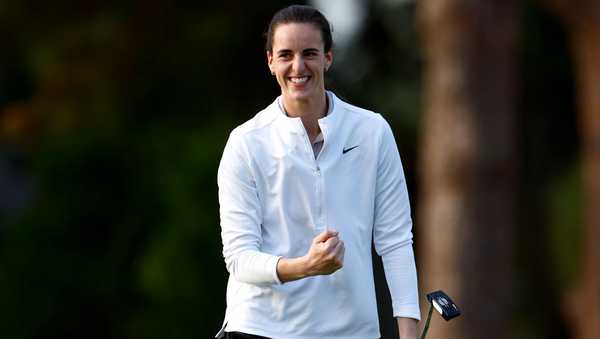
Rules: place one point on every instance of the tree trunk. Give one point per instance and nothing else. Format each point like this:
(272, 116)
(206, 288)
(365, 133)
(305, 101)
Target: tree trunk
(582, 21)
(468, 162)
(585, 44)
(588, 71)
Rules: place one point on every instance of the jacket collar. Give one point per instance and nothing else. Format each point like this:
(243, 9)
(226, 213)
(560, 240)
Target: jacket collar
(294, 125)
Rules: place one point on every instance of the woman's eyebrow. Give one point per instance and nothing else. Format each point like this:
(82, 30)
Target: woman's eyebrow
(311, 50)
(283, 51)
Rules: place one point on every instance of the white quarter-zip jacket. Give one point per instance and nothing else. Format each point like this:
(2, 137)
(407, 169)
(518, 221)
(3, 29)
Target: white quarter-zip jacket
(275, 196)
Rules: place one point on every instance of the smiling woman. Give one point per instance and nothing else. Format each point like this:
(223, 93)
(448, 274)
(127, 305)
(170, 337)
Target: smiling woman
(288, 221)
(299, 53)
(298, 61)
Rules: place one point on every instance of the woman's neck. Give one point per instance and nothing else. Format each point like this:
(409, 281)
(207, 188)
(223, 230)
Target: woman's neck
(309, 111)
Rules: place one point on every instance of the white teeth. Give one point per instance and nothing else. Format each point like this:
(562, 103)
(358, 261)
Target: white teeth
(299, 80)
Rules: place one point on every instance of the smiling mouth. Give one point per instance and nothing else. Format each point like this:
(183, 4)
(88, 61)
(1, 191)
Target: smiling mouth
(299, 80)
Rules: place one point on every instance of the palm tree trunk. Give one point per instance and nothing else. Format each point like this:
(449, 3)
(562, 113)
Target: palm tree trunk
(585, 40)
(582, 21)
(468, 161)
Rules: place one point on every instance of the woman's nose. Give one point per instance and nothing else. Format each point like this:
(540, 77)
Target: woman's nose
(298, 64)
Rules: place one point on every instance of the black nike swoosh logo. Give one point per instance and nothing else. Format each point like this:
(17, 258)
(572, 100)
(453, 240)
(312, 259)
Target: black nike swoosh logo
(346, 150)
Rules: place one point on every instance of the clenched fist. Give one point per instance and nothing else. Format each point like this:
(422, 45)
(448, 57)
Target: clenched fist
(325, 256)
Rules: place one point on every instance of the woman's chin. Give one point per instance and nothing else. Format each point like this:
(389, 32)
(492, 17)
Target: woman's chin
(300, 94)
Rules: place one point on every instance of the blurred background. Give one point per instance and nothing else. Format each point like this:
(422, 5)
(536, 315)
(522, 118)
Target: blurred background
(114, 115)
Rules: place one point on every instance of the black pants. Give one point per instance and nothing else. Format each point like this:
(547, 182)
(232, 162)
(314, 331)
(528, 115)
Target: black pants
(239, 335)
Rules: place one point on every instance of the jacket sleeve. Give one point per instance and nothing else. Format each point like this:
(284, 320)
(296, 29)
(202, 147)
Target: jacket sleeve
(392, 230)
(241, 218)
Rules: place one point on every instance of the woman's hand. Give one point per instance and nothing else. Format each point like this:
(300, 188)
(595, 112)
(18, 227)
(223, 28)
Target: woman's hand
(325, 256)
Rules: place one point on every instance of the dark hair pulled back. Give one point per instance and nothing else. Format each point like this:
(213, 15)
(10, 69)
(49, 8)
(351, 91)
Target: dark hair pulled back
(300, 14)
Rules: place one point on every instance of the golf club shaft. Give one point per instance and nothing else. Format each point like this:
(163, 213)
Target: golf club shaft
(426, 328)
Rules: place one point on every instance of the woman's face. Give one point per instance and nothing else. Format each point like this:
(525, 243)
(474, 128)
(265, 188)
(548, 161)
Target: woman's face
(299, 61)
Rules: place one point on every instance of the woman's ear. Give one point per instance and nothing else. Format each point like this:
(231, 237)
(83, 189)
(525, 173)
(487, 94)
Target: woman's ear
(270, 62)
(328, 59)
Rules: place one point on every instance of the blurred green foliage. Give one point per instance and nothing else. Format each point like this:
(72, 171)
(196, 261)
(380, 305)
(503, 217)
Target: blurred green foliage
(566, 232)
(119, 122)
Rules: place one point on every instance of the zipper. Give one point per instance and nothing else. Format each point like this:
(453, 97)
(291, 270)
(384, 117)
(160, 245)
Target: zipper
(321, 219)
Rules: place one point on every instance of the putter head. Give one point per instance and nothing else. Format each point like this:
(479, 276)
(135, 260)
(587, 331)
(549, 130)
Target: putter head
(443, 304)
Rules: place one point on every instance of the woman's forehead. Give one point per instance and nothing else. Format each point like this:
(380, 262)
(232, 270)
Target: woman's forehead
(297, 35)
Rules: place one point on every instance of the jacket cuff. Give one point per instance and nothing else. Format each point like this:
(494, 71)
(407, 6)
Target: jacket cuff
(406, 311)
(275, 260)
